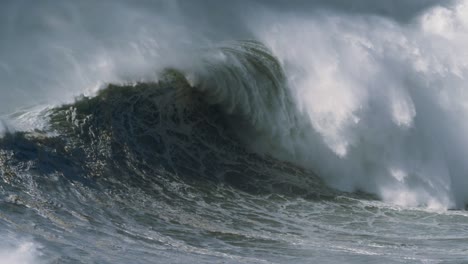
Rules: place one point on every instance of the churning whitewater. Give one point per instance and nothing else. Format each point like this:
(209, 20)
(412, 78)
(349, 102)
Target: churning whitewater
(246, 132)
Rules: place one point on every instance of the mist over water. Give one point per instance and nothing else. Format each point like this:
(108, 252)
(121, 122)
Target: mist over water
(71, 47)
(19, 252)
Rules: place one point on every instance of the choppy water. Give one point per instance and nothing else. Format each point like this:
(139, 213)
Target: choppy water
(246, 132)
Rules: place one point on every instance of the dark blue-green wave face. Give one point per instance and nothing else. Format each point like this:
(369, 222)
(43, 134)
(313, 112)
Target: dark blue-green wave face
(233, 132)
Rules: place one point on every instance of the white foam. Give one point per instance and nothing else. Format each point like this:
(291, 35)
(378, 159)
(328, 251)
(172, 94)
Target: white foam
(386, 101)
(24, 253)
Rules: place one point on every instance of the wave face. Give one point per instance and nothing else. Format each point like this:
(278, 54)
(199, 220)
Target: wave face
(152, 172)
(130, 147)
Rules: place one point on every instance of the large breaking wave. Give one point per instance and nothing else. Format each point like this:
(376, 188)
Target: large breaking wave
(369, 103)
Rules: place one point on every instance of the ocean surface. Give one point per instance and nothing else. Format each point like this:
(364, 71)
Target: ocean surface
(233, 131)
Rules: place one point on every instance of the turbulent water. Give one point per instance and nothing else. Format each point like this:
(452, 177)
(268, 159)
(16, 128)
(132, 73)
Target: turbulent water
(245, 132)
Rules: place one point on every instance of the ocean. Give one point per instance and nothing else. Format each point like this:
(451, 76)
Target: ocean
(253, 131)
